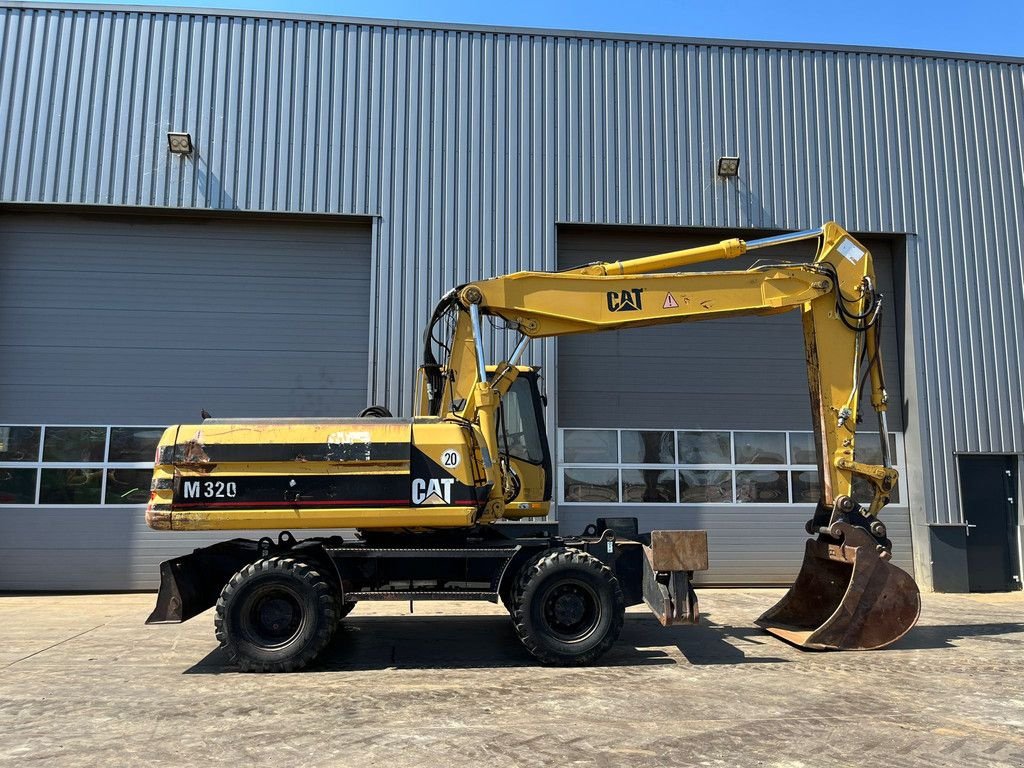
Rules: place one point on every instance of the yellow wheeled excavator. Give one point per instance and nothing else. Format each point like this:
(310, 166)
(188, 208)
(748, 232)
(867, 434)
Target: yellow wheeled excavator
(424, 493)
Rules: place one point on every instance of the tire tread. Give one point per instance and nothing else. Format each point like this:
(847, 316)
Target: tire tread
(538, 568)
(325, 597)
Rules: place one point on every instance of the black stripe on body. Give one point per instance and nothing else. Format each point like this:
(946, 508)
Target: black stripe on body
(232, 491)
(204, 492)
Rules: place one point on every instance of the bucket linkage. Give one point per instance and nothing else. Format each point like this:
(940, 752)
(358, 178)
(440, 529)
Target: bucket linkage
(848, 595)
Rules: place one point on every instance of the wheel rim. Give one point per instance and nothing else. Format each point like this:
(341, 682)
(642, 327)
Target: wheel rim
(273, 617)
(571, 610)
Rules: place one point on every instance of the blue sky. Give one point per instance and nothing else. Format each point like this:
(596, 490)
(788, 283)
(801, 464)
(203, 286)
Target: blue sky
(978, 26)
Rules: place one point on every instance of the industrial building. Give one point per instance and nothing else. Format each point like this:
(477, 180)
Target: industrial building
(254, 214)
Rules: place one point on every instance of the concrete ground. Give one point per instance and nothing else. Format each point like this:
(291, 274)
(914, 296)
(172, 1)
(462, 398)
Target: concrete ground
(84, 683)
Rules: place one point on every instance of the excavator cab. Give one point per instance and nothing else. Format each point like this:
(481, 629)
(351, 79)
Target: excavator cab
(523, 449)
(522, 442)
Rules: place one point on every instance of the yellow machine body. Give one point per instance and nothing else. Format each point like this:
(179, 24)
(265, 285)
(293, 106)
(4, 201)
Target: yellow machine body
(366, 473)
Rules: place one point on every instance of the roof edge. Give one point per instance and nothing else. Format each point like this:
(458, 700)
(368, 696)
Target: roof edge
(531, 31)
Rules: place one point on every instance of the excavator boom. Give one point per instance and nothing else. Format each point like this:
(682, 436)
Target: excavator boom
(848, 594)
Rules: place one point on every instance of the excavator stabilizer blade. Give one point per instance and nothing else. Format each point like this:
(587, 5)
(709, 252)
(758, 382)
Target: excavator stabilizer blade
(845, 598)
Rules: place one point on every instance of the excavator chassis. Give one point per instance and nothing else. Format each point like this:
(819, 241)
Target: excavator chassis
(482, 564)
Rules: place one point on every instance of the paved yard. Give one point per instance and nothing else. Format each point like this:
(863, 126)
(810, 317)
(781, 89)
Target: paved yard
(84, 682)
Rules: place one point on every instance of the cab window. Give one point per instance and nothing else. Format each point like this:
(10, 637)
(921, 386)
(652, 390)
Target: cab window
(519, 431)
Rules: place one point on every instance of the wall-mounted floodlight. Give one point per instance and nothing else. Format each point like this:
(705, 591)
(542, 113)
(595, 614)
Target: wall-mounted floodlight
(728, 167)
(179, 143)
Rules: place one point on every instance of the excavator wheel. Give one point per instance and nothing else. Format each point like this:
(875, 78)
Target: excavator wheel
(568, 608)
(276, 615)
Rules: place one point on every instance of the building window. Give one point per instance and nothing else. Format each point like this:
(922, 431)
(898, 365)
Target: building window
(649, 486)
(705, 486)
(76, 444)
(590, 446)
(762, 486)
(705, 447)
(76, 465)
(686, 466)
(647, 447)
(760, 447)
(591, 485)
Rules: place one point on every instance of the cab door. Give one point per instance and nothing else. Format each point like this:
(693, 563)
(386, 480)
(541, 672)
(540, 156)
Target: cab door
(525, 454)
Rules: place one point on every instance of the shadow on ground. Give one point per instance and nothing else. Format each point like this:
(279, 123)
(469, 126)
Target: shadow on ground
(472, 642)
(945, 635)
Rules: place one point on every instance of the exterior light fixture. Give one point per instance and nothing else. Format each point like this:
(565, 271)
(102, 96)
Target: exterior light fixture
(728, 167)
(181, 143)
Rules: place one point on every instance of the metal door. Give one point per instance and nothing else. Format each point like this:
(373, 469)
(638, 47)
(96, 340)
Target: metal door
(745, 373)
(988, 500)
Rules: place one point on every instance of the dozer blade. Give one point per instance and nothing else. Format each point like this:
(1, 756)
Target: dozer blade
(846, 597)
(190, 584)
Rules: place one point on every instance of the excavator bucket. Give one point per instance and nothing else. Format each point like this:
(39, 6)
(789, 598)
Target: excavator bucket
(846, 597)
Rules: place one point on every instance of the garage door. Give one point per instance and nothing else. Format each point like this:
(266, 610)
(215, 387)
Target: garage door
(111, 328)
(709, 422)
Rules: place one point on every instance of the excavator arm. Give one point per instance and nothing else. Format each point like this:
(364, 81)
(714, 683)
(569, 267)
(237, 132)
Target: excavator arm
(836, 295)
(841, 308)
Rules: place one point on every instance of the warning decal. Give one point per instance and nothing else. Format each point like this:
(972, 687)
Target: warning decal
(850, 251)
(670, 302)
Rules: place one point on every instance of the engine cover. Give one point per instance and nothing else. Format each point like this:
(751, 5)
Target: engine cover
(304, 473)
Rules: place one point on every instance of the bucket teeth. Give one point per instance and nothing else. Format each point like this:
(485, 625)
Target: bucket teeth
(847, 596)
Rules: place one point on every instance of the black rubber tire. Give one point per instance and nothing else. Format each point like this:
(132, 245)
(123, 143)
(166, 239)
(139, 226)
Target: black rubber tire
(547, 625)
(344, 609)
(264, 595)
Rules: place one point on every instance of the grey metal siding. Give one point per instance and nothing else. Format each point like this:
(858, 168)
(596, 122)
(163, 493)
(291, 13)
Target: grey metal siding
(737, 373)
(471, 144)
(747, 543)
(147, 320)
(94, 548)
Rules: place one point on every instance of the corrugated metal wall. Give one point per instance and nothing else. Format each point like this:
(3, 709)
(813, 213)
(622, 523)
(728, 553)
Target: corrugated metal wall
(471, 145)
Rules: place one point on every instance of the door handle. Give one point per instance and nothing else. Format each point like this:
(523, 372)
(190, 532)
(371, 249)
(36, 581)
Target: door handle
(969, 526)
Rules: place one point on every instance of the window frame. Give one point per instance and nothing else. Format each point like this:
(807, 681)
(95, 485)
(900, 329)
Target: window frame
(898, 462)
(103, 466)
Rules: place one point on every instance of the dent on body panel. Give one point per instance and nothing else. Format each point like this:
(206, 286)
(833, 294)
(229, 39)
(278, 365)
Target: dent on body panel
(194, 455)
(194, 450)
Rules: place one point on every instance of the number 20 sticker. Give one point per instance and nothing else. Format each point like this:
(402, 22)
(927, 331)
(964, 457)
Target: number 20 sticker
(450, 459)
